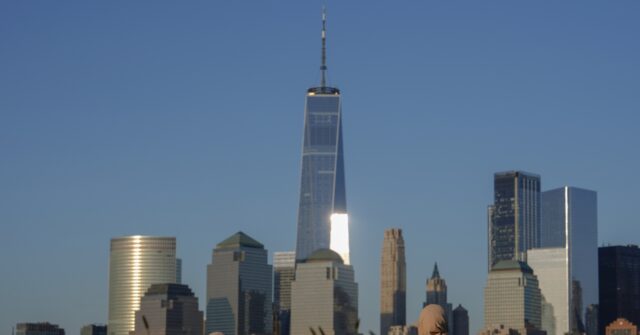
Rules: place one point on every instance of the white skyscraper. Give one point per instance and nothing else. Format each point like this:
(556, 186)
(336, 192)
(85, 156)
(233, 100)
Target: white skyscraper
(324, 295)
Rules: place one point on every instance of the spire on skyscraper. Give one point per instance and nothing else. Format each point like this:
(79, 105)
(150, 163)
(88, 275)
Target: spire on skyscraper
(323, 65)
(436, 273)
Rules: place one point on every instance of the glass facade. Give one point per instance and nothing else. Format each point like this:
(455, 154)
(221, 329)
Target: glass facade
(569, 220)
(322, 185)
(551, 266)
(284, 270)
(514, 217)
(135, 263)
(619, 293)
(39, 328)
(239, 291)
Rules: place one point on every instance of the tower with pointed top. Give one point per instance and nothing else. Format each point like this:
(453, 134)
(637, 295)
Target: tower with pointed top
(322, 184)
(239, 290)
(437, 293)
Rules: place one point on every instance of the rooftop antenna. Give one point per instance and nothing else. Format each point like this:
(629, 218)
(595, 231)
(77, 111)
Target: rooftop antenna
(323, 66)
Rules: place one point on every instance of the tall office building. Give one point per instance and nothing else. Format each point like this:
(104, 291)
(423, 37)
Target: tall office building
(168, 309)
(322, 185)
(38, 328)
(565, 264)
(512, 298)
(619, 293)
(324, 295)
(514, 216)
(94, 330)
(135, 263)
(437, 294)
(460, 321)
(239, 288)
(393, 281)
(284, 270)
(591, 320)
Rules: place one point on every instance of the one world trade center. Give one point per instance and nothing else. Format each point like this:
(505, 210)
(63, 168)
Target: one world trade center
(322, 186)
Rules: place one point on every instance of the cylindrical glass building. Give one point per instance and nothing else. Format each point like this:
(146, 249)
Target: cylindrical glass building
(135, 263)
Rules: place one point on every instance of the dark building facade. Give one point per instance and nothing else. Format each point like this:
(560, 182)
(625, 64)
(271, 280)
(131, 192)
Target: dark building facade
(94, 330)
(322, 184)
(460, 321)
(514, 216)
(239, 290)
(284, 271)
(168, 309)
(619, 294)
(38, 328)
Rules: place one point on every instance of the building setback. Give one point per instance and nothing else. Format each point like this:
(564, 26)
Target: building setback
(135, 263)
(239, 288)
(324, 296)
(393, 281)
(514, 216)
(512, 298)
(619, 272)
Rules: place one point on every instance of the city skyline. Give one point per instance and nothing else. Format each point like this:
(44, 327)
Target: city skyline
(145, 128)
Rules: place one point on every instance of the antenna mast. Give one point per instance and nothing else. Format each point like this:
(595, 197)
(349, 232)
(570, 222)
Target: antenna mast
(323, 66)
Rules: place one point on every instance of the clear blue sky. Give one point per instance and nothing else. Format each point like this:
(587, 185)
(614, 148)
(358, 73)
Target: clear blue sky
(185, 119)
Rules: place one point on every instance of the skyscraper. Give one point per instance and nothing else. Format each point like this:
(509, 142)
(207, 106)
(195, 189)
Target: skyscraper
(514, 217)
(168, 309)
(565, 264)
(460, 321)
(619, 293)
(135, 263)
(38, 328)
(239, 288)
(437, 294)
(324, 295)
(322, 184)
(393, 281)
(284, 270)
(512, 297)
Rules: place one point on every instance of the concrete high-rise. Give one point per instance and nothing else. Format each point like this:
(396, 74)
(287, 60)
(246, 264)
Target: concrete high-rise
(514, 216)
(168, 309)
(460, 321)
(565, 264)
(284, 270)
(393, 281)
(324, 295)
(38, 328)
(512, 298)
(322, 184)
(437, 294)
(94, 330)
(239, 288)
(135, 263)
(619, 293)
